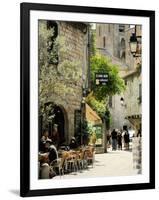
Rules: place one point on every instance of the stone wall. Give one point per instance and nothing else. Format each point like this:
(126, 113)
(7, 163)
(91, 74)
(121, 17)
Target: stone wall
(118, 113)
(130, 61)
(137, 154)
(76, 39)
(132, 94)
(116, 44)
(131, 105)
(113, 38)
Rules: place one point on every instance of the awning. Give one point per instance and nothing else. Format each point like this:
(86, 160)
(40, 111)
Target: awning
(92, 116)
(135, 120)
(138, 116)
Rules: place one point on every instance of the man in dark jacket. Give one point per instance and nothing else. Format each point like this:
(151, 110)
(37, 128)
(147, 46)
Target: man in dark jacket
(126, 139)
(114, 139)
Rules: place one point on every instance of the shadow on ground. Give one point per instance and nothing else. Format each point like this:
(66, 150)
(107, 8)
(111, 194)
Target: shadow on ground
(15, 192)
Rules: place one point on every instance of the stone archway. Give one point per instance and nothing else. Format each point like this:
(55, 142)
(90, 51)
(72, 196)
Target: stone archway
(54, 114)
(61, 119)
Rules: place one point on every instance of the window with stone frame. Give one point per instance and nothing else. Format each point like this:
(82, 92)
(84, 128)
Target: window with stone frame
(122, 49)
(53, 57)
(109, 28)
(99, 30)
(104, 42)
(140, 93)
(121, 28)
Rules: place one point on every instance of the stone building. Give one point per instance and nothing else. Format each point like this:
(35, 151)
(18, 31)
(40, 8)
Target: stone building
(113, 42)
(67, 109)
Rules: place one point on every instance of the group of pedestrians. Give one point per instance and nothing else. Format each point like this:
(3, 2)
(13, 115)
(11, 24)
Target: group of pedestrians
(117, 138)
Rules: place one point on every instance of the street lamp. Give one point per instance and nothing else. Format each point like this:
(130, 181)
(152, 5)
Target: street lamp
(135, 44)
(122, 102)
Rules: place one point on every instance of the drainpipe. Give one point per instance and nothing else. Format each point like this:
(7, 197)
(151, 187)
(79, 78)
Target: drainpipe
(88, 71)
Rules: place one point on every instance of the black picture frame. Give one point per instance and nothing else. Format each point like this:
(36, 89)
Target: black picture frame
(25, 9)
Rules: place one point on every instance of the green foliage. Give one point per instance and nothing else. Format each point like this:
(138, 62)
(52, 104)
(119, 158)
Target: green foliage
(55, 80)
(44, 40)
(93, 138)
(107, 118)
(90, 128)
(115, 85)
(85, 136)
(98, 98)
(96, 105)
(92, 42)
(85, 128)
(100, 108)
(47, 112)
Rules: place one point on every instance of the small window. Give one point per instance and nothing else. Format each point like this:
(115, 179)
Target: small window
(123, 56)
(104, 42)
(121, 28)
(140, 93)
(99, 30)
(122, 49)
(122, 44)
(109, 28)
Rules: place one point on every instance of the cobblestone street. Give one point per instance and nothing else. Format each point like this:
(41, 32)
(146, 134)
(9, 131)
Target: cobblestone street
(113, 163)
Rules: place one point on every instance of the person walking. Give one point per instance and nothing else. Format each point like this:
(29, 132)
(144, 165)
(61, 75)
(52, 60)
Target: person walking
(108, 139)
(119, 140)
(126, 139)
(114, 140)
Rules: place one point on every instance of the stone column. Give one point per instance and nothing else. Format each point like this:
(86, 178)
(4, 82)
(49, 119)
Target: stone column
(137, 154)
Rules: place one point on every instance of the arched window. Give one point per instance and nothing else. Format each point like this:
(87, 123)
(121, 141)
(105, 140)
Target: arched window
(122, 44)
(99, 30)
(121, 28)
(104, 42)
(122, 49)
(123, 56)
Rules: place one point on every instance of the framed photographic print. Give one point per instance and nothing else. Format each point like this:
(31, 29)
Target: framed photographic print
(87, 99)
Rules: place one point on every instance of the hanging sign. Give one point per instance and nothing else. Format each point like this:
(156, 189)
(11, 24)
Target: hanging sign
(101, 79)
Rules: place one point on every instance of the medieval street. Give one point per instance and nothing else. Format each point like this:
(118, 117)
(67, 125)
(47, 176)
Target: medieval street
(107, 164)
(90, 100)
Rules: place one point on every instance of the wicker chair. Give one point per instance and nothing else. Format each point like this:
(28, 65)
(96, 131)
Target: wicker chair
(90, 155)
(71, 162)
(58, 164)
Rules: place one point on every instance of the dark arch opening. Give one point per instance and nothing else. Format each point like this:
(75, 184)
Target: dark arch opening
(60, 121)
(122, 43)
(122, 49)
(53, 116)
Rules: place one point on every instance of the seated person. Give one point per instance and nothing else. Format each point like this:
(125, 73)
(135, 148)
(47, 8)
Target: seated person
(53, 154)
(73, 143)
(44, 139)
(47, 145)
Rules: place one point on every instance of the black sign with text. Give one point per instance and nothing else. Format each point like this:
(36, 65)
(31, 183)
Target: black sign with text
(101, 79)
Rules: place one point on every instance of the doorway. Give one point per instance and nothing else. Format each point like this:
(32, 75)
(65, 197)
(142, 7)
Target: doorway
(59, 120)
(54, 115)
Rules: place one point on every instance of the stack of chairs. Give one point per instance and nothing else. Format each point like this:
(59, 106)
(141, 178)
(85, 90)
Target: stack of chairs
(69, 161)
